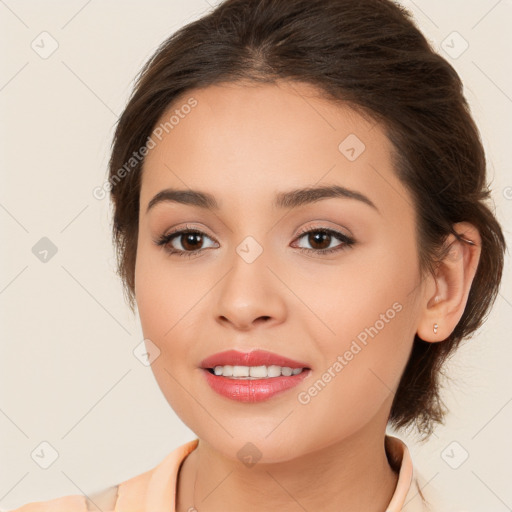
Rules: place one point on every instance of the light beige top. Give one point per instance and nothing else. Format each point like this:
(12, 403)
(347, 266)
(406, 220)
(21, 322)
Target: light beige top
(155, 490)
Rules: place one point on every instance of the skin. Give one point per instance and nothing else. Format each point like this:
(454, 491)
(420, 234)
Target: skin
(243, 143)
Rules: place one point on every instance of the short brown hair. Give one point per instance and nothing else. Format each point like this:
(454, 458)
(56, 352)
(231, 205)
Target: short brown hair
(367, 54)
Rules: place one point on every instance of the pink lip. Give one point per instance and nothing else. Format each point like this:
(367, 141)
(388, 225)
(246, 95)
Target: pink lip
(253, 358)
(251, 390)
(257, 390)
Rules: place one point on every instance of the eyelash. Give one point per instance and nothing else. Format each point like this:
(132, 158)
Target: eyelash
(165, 240)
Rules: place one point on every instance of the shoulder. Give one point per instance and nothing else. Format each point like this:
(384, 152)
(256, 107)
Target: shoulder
(107, 500)
(133, 491)
(103, 500)
(74, 503)
(130, 495)
(431, 498)
(413, 492)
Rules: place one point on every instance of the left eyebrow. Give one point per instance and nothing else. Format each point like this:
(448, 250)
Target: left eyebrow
(291, 199)
(302, 196)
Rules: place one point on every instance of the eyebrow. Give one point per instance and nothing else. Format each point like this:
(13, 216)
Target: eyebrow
(290, 199)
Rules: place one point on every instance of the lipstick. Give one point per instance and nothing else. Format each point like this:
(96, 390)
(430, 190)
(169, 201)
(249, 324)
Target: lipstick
(252, 389)
(253, 358)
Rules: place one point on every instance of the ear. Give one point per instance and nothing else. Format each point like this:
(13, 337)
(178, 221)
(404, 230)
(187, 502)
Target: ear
(446, 295)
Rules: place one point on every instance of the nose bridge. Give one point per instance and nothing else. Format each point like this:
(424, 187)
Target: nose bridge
(249, 290)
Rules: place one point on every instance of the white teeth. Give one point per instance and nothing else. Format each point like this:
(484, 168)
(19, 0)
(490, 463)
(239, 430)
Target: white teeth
(226, 371)
(274, 371)
(240, 371)
(255, 372)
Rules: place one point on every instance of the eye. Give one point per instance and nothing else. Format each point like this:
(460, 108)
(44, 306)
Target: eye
(189, 239)
(323, 237)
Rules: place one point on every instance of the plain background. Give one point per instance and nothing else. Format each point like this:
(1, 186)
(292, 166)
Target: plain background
(68, 373)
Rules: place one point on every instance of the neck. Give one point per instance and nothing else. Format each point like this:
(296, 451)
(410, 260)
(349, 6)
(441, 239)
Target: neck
(350, 475)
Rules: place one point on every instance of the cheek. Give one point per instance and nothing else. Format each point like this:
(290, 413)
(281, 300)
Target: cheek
(372, 296)
(151, 303)
(165, 309)
(360, 374)
(170, 311)
(162, 296)
(371, 312)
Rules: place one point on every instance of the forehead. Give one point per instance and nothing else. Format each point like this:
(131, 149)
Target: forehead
(255, 139)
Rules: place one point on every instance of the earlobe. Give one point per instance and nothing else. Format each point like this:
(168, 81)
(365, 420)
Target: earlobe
(444, 308)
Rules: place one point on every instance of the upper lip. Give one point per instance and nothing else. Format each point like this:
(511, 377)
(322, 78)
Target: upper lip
(252, 358)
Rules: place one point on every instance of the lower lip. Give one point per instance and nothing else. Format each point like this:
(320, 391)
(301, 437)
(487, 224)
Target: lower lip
(256, 390)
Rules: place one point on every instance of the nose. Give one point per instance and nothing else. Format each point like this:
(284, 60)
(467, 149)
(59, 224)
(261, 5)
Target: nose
(250, 294)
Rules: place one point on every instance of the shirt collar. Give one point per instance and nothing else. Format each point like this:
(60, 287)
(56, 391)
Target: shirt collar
(161, 492)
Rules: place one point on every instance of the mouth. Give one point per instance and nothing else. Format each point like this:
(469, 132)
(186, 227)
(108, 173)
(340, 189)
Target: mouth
(255, 372)
(251, 388)
(253, 364)
(252, 376)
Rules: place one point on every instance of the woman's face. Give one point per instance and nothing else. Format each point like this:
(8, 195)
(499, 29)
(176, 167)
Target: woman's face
(254, 280)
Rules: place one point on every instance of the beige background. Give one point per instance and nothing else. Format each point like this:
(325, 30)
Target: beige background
(68, 373)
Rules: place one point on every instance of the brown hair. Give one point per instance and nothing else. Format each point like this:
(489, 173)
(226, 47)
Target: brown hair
(367, 54)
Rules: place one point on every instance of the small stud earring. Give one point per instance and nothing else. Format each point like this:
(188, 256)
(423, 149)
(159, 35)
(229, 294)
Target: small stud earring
(435, 328)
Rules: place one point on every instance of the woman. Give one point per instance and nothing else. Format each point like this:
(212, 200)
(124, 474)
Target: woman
(300, 215)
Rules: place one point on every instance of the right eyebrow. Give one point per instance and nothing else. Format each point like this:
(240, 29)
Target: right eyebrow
(190, 197)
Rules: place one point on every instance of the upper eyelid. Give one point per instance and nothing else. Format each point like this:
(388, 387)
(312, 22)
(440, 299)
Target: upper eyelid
(322, 227)
(186, 229)
(335, 232)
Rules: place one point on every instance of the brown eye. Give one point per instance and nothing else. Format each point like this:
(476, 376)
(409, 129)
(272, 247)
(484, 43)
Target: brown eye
(190, 241)
(184, 242)
(320, 240)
